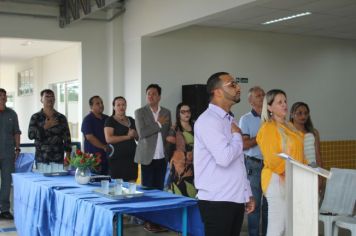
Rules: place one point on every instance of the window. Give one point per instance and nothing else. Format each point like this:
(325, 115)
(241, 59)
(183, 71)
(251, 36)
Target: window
(25, 82)
(10, 100)
(67, 103)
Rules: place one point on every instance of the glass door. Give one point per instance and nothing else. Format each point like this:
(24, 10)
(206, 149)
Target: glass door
(67, 103)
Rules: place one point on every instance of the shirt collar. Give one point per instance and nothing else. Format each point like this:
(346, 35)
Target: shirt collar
(158, 110)
(254, 113)
(93, 115)
(55, 113)
(220, 112)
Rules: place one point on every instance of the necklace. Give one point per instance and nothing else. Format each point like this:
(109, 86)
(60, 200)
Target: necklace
(125, 121)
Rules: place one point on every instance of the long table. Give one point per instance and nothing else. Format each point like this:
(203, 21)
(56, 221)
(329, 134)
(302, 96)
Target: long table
(60, 206)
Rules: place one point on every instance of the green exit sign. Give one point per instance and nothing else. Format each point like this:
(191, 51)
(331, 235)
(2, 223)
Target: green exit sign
(242, 80)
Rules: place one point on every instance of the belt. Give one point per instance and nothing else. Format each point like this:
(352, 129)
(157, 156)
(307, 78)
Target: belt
(254, 159)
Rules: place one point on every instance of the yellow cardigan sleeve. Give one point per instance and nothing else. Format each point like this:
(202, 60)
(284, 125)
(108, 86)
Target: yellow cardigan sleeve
(270, 142)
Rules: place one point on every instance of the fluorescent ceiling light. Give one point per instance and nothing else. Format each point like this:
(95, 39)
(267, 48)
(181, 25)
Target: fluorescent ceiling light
(27, 43)
(286, 18)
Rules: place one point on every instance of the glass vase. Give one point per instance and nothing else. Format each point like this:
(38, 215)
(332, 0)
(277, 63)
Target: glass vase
(82, 175)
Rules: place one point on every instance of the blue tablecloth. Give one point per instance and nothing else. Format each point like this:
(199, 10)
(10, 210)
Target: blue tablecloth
(24, 162)
(59, 206)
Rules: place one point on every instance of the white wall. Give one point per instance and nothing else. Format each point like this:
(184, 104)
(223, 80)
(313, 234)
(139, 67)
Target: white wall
(152, 17)
(25, 106)
(265, 58)
(115, 64)
(94, 37)
(101, 43)
(319, 71)
(8, 77)
(64, 65)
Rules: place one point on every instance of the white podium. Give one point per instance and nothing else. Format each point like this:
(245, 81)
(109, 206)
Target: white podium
(302, 197)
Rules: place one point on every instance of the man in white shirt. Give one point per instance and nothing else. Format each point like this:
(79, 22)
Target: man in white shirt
(153, 123)
(224, 191)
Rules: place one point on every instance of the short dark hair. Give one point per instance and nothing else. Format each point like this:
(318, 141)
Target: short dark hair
(156, 86)
(213, 82)
(2, 90)
(47, 91)
(91, 100)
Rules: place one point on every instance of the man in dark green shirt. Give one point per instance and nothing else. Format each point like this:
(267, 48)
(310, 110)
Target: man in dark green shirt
(9, 151)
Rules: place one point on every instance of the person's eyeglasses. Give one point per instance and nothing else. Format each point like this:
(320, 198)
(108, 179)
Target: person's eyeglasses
(232, 84)
(184, 111)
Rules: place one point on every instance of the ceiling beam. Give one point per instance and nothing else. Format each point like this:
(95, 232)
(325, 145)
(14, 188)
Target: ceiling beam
(76, 10)
(18, 8)
(35, 2)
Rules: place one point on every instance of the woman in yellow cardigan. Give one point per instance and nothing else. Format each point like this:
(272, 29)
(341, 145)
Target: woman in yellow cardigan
(277, 135)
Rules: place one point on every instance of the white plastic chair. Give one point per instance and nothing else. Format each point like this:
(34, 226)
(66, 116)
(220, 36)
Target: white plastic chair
(346, 223)
(339, 198)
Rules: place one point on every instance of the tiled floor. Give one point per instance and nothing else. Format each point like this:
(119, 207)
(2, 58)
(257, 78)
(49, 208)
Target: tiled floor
(7, 229)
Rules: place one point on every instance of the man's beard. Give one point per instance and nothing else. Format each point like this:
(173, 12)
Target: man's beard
(230, 97)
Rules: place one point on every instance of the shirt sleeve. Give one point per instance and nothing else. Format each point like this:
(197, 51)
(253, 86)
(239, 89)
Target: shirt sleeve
(86, 126)
(109, 122)
(16, 124)
(270, 142)
(132, 121)
(243, 124)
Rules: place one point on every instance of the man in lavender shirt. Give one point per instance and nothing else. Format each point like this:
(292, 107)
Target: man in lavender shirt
(224, 191)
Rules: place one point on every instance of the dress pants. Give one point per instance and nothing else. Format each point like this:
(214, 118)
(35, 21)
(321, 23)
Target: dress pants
(221, 218)
(152, 175)
(7, 166)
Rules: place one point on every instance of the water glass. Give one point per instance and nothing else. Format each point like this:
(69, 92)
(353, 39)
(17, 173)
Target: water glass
(105, 186)
(118, 186)
(39, 167)
(46, 168)
(132, 188)
(58, 167)
(53, 167)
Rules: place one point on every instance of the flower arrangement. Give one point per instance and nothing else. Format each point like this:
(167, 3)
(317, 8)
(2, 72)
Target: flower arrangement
(83, 160)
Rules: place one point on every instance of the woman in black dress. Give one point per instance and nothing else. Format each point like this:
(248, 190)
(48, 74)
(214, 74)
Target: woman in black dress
(120, 131)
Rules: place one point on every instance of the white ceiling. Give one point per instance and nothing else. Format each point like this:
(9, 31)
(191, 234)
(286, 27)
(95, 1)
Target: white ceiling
(329, 18)
(15, 49)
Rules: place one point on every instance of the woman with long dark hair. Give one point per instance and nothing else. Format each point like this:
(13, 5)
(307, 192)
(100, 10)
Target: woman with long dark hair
(300, 117)
(120, 131)
(181, 163)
